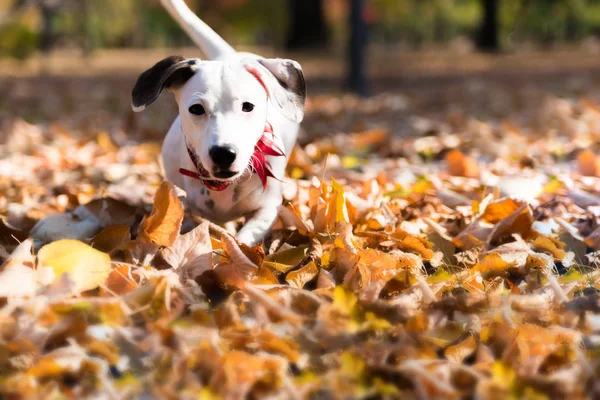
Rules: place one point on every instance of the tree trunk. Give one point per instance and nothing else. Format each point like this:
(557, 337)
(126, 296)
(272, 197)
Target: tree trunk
(488, 35)
(357, 47)
(308, 29)
(47, 32)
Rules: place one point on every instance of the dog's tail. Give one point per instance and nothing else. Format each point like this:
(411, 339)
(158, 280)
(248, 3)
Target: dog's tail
(212, 45)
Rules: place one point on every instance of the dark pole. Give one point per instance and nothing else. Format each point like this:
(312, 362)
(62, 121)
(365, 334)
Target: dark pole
(358, 44)
(308, 27)
(47, 33)
(488, 39)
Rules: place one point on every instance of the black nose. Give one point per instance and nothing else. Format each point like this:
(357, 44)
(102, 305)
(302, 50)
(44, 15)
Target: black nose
(222, 156)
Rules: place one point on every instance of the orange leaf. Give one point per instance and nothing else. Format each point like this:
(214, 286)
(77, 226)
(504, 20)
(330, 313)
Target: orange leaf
(492, 263)
(497, 211)
(302, 276)
(413, 244)
(119, 281)
(461, 165)
(164, 222)
(550, 246)
(588, 163)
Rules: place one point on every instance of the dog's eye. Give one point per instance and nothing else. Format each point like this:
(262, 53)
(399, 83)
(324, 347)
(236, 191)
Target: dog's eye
(247, 107)
(197, 109)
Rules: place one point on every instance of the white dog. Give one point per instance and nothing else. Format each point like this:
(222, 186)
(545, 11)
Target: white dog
(238, 121)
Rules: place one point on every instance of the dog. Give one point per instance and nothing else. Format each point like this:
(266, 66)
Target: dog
(238, 121)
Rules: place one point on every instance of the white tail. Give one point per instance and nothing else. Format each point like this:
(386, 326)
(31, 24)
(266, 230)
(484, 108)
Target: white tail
(212, 45)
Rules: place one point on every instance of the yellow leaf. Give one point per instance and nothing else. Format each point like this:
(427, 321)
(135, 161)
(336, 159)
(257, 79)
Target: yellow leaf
(337, 210)
(352, 365)
(386, 389)
(88, 267)
(164, 222)
(503, 374)
(572, 275)
(441, 275)
(344, 299)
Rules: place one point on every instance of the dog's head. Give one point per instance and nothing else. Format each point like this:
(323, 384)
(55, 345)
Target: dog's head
(223, 105)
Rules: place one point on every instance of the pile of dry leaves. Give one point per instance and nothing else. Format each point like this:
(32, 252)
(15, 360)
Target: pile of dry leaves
(457, 264)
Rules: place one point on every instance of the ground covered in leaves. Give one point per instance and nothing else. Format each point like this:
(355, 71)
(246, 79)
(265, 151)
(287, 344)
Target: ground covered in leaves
(458, 262)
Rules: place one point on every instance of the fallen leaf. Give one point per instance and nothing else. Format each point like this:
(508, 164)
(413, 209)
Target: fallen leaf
(588, 163)
(192, 250)
(119, 281)
(88, 267)
(461, 165)
(80, 224)
(302, 276)
(164, 222)
(496, 211)
(111, 238)
(17, 280)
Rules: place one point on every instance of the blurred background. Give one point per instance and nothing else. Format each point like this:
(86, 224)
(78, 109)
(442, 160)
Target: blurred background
(417, 60)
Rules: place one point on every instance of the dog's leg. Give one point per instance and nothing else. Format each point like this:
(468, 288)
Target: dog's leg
(257, 226)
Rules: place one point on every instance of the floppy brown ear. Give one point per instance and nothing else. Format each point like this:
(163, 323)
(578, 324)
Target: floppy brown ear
(170, 73)
(284, 81)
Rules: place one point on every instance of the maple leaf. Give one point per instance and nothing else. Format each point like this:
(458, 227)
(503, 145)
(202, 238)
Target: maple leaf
(192, 250)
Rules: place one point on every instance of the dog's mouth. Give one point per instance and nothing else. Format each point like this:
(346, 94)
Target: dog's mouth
(258, 164)
(225, 175)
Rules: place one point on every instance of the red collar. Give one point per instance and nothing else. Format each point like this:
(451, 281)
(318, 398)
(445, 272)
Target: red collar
(260, 165)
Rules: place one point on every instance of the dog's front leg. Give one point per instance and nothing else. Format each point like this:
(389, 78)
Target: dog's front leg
(258, 225)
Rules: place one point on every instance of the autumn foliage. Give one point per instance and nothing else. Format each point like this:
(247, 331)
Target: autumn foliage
(440, 266)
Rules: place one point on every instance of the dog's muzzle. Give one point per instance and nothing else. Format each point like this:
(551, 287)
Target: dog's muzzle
(258, 162)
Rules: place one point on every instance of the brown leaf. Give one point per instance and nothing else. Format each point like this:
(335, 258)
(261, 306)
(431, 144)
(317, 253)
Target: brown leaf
(325, 280)
(10, 235)
(192, 250)
(517, 223)
(111, 212)
(238, 270)
(164, 222)
(111, 238)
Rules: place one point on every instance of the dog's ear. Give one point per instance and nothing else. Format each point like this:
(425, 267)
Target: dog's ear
(284, 82)
(170, 73)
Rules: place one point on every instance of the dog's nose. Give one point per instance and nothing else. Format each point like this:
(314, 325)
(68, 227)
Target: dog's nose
(222, 156)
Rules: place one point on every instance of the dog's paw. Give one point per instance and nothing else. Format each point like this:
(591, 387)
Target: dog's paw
(248, 237)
